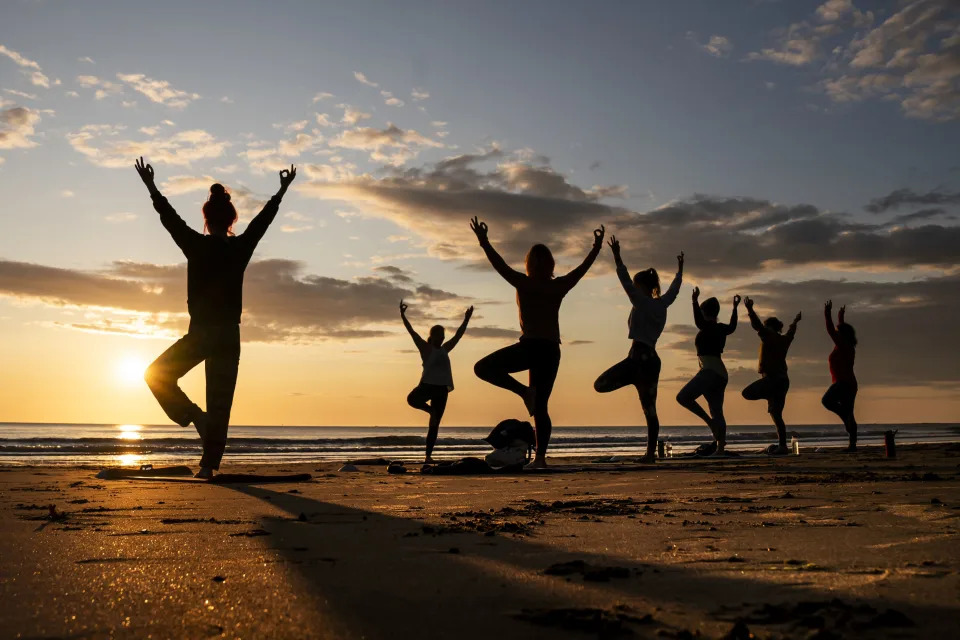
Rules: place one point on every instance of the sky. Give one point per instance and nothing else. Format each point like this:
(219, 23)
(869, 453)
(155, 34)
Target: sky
(795, 151)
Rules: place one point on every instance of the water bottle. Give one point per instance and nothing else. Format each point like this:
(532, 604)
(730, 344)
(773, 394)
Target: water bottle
(795, 445)
(669, 449)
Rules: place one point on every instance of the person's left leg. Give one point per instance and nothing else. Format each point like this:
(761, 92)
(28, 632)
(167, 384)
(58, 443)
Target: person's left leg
(221, 371)
(545, 363)
(418, 398)
(438, 404)
(647, 383)
(849, 422)
(776, 402)
(714, 397)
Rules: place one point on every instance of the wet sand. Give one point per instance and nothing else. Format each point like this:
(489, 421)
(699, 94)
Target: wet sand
(815, 546)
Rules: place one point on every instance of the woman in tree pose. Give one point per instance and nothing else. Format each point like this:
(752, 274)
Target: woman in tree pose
(641, 367)
(216, 261)
(842, 394)
(539, 295)
(711, 381)
(774, 382)
(437, 378)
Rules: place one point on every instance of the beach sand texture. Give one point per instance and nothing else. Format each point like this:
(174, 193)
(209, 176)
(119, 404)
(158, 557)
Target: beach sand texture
(816, 546)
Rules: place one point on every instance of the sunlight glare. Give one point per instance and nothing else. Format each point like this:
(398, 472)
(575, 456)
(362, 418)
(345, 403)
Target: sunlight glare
(129, 459)
(129, 432)
(130, 370)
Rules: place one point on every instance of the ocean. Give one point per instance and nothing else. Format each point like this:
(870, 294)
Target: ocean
(134, 444)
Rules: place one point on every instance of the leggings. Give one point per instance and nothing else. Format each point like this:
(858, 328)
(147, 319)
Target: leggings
(773, 389)
(840, 398)
(218, 347)
(437, 395)
(542, 358)
(711, 385)
(641, 368)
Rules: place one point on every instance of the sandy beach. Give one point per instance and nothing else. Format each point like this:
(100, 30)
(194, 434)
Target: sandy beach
(815, 546)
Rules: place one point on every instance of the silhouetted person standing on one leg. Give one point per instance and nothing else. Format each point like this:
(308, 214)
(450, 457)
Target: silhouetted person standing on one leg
(641, 367)
(437, 378)
(539, 295)
(842, 394)
(215, 265)
(711, 381)
(774, 382)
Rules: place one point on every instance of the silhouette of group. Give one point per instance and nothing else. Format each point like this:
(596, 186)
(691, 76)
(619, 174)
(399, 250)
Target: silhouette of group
(217, 259)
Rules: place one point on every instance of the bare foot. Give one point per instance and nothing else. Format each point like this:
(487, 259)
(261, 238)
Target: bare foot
(647, 458)
(538, 463)
(530, 400)
(428, 460)
(205, 473)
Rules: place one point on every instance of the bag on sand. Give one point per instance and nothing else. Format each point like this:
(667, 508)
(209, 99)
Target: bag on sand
(512, 441)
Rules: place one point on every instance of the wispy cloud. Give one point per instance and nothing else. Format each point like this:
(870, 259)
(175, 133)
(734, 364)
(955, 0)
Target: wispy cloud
(159, 91)
(362, 79)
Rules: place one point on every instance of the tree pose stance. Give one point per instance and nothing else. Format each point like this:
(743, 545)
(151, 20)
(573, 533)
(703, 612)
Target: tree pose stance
(711, 381)
(539, 295)
(842, 394)
(641, 367)
(215, 265)
(774, 382)
(437, 379)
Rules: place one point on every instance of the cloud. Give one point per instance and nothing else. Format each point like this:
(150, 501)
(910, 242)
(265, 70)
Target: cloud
(323, 120)
(522, 202)
(264, 157)
(323, 95)
(497, 333)
(406, 143)
(120, 217)
(158, 91)
(19, 59)
(362, 79)
(21, 94)
(391, 101)
(352, 115)
(911, 58)
(909, 197)
(281, 302)
(17, 125)
(717, 46)
(419, 94)
(103, 146)
(86, 59)
(104, 88)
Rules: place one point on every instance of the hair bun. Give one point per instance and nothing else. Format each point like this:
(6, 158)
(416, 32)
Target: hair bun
(218, 192)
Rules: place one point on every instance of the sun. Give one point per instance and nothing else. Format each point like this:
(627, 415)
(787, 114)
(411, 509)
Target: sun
(130, 370)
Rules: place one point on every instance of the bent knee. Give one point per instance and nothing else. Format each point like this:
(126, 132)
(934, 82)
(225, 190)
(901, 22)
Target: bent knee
(481, 370)
(154, 376)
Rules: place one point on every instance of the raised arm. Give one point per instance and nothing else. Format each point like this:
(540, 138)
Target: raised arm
(828, 317)
(417, 340)
(452, 342)
(261, 222)
(792, 329)
(674, 289)
(509, 274)
(572, 278)
(732, 326)
(622, 274)
(697, 313)
(754, 318)
(182, 234)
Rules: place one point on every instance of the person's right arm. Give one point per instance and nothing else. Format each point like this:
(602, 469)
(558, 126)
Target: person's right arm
(417, 340)
(622, 274)
(261, 222)
(754, 319)
(509, 274)
(569, 280)
(674, 289)
(733, 315)
(181, 233)
(828, 317)
(697, 313)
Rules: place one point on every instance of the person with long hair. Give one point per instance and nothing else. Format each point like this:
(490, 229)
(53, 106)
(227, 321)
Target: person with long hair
(216, 261)
(539, 295)
(436, 381)
(841, 397)
(774, 382)
(641, 367)
(711, 380)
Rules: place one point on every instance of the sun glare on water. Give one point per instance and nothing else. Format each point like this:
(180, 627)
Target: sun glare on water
(130, 370)
(129, 432)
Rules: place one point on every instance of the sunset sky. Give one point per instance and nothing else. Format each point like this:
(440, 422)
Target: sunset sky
(796, 151)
